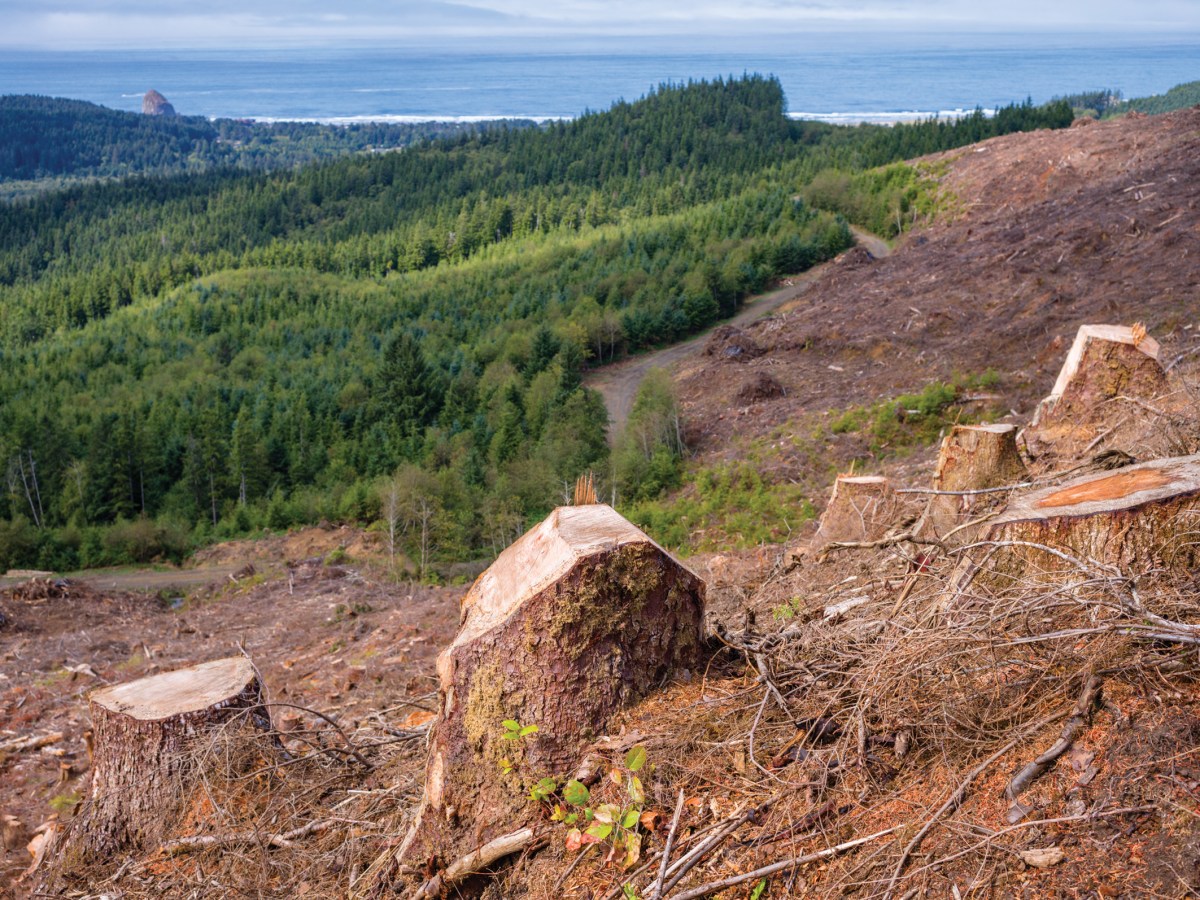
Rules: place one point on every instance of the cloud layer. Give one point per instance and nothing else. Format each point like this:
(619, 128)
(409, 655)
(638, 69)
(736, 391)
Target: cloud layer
(174, 23)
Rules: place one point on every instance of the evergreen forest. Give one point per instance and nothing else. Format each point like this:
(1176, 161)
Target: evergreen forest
(401, 337)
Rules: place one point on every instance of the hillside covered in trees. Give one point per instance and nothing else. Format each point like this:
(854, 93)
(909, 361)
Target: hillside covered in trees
(404, 334)
(47, 141)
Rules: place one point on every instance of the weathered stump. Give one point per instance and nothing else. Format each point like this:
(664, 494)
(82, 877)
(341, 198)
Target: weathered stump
(143, 775)
(1105, 362)
(1133, 520)
(861, 508)
(972, 458)
(580, 618)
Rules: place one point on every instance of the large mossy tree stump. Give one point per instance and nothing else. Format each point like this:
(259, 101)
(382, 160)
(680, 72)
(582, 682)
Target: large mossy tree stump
(861, 508)
(1137, 519)
(580, 618)
(972, 458)
(145, 768)
(1104, 363)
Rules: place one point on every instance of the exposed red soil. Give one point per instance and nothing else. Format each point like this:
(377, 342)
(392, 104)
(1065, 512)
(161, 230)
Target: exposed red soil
(1041, 233)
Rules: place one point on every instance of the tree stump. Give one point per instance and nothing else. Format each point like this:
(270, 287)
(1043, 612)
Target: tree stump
(579, 619)
(972, 458)
(1105, 362)
(143, 775)
(1135, 519)
(861, 508)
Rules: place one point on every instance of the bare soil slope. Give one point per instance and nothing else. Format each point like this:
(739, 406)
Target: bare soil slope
(1040, 233)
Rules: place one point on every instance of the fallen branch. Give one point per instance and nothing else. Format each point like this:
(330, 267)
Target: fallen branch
(1076, 720)
(1060, 820)
(713, 886)
(207, 841)
(972, 493)
(31, 742)
(904, 537)
(476, 861)
(687, 862)
(351, 749)
(657, 890)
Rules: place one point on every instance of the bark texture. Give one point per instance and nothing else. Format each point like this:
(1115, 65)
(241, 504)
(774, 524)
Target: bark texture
(972, 458)
(1105, 362)
(1135, 519)
(143, 775)
(861, 508)
(580, 618)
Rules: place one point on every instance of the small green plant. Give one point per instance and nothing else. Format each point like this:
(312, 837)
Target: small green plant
(613, 823)
(515, 731)
(788, 609)
(759, 889)
(64, 803)
(587, 821)
(336, 556)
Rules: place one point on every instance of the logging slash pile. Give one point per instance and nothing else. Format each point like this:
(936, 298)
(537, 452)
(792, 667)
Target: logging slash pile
(979, 686)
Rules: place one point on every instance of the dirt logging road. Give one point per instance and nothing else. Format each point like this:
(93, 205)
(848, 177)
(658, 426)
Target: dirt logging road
(618, 383)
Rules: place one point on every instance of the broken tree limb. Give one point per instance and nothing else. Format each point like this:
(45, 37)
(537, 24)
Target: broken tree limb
(1075, 721)
(579, 619)
(476, 862)
(145, 765)
(30, 742)
(283, 839)
(713, 886)
(657, 891)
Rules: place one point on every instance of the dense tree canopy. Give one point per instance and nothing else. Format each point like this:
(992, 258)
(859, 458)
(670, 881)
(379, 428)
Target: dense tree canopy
(211, 353)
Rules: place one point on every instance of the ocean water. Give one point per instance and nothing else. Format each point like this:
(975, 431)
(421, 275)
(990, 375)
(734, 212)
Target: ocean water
(838, 77)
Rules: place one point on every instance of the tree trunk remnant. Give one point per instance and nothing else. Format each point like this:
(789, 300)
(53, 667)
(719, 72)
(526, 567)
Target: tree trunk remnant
(580, 618)
(1133, 520)
(1105, 362)
(972, 458)
(861, 508)
(143, 774)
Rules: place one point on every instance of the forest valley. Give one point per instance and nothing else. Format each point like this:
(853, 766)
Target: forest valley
(197, 356)
(898, 598)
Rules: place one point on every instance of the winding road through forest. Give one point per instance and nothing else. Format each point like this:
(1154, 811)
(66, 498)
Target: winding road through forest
(618, 383)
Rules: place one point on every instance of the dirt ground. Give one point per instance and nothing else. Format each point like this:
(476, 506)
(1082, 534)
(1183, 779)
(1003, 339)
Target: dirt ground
(345, 640)
(1041, 233)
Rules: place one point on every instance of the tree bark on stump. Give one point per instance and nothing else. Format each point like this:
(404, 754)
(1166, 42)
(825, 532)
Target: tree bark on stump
(143, 774)
(579, 619)
(1105, 362)
(1133, 520)
(972, 458)
(861, 508)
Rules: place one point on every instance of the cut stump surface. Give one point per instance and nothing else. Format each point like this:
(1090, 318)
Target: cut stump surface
(143, 773)
(1136, 519)
(861, 508)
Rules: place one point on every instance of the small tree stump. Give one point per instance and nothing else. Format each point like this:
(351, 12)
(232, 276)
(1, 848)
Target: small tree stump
(1129, 520)
(143, 775)
(861, 508)
(580, 618)
(972, 458)
(1105, 362)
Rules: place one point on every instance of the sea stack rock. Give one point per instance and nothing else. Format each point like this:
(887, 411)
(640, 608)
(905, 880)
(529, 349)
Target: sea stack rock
(155, 104)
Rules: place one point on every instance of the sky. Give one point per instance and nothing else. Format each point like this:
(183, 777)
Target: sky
(154, 24)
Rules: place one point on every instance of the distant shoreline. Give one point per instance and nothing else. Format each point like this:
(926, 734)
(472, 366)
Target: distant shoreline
(833, 118)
